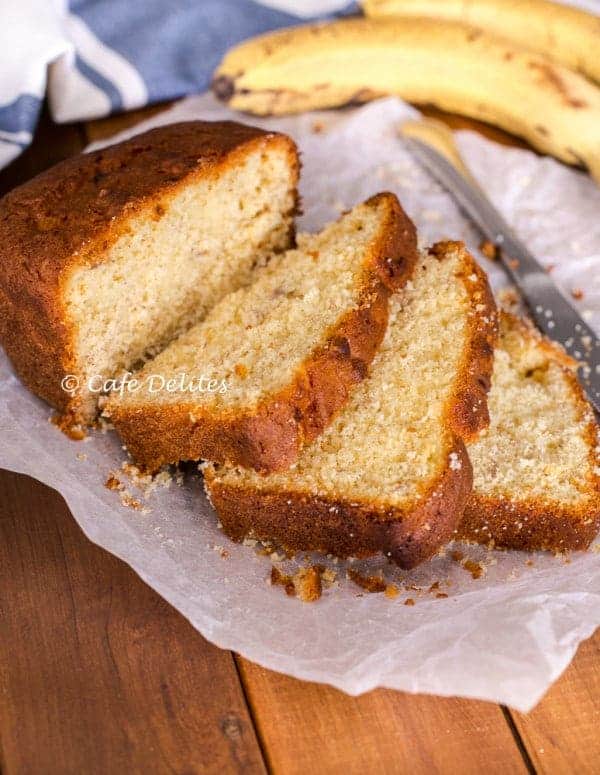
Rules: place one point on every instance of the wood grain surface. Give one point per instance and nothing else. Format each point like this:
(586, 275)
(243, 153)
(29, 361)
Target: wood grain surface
(383, 731)
(99, 675)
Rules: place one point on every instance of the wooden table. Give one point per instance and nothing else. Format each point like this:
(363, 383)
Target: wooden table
(98, 674)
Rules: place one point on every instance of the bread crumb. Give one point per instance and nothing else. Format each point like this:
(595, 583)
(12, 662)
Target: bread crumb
(318, 127)
(137, 476)
(145, 482)
(368, 583)
(113, 483)
(305, 584)
(73, 431)
(391, 591)
(441, 595)
(128, 500)
(577, 294)
(81, 456)
(489, 250)
(241, 370)
(281, 579)
(475, 568)
(409, 601)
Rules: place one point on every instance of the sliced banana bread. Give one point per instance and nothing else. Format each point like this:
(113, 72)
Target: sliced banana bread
(537, 467)
(391, 472)
(108, 255)
(283, 354)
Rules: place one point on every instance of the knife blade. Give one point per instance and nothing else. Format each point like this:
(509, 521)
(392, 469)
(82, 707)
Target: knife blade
(432, 144)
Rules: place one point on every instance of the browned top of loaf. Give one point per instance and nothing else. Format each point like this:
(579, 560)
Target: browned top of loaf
(77, 204)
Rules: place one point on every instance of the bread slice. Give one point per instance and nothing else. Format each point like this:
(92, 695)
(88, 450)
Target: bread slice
(283, 354)
(108, 255)
(391, 473)
(537, 467)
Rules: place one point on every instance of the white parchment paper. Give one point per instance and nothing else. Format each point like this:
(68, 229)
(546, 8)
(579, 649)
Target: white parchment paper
(503, 637)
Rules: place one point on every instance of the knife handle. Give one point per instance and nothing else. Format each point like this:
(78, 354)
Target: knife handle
(437, 135)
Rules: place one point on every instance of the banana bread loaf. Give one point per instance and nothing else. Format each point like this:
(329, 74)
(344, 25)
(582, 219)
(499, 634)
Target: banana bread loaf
(283, 354)
(109, 255)
(391, 473)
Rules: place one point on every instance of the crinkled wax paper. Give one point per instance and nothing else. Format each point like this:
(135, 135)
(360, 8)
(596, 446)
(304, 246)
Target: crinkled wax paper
(503, 637)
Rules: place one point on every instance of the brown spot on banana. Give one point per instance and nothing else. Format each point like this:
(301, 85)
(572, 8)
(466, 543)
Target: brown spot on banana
(362, 96)
(424, 62)
(563, 34)
(550, 76)
(223, 87)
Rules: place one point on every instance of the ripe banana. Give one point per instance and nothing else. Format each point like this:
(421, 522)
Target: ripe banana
(567, 35)
(455, 67)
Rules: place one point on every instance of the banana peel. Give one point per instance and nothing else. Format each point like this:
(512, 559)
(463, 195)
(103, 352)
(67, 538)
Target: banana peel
(567, 35)
(457, 68)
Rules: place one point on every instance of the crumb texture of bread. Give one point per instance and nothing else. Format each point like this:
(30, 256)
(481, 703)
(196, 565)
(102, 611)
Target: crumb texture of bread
(111, 254)
(537, 467)
(286, 350)
(391, 472)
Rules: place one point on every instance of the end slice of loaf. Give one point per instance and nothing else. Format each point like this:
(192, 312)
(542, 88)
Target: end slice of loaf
(391, 473)
(287, 350)
(537, 467)
(109, 255)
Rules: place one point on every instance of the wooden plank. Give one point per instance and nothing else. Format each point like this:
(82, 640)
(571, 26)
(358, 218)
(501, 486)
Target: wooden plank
(562, 734)
(310, 728)
(97, 673)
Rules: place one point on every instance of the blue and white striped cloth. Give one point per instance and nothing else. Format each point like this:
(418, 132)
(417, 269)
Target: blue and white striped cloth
(96, 57)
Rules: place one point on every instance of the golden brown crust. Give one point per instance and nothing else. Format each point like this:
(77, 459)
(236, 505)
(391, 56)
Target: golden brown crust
(305, 521)
(270, 436)
(534, 524)
(468, 409)
(72, 213)
(527, 525)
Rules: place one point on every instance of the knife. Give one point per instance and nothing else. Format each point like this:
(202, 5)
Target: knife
(432, 144)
